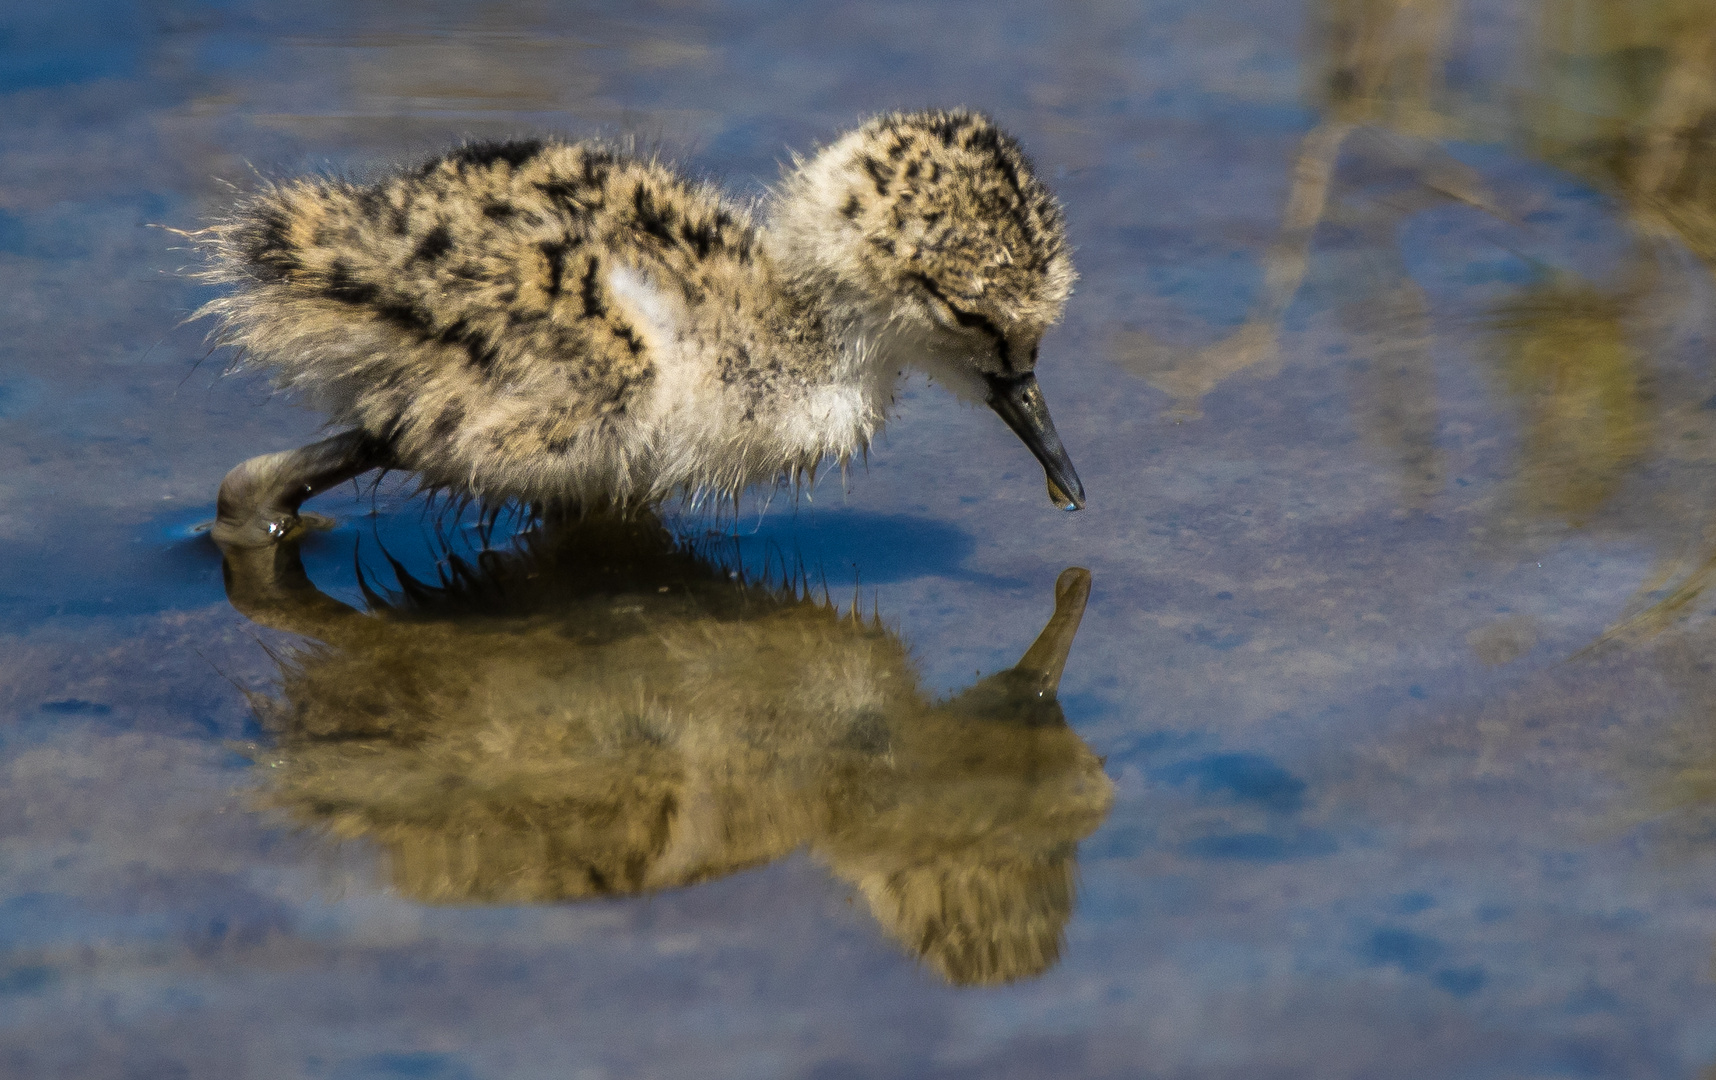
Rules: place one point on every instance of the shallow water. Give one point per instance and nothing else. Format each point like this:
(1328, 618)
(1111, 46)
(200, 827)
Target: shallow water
(1389, 380)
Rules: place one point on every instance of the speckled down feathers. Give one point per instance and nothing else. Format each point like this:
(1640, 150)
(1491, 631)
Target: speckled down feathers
(942, 202)
(465, 313)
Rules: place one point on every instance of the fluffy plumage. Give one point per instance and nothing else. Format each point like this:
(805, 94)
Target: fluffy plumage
(517, 321)
(566, 324)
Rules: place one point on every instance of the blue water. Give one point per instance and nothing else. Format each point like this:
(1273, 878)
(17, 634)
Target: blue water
(1379, 807)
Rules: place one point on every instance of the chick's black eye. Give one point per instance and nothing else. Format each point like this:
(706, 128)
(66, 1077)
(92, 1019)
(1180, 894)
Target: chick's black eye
(938, 300)
(940, 309)
(969, 320)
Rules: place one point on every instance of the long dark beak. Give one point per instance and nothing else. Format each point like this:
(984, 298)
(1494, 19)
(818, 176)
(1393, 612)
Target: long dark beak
(1018, 400)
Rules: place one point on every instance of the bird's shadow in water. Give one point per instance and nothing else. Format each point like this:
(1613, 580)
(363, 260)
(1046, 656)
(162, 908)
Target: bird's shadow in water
(876, 548)
(602, 708)
(842, 547)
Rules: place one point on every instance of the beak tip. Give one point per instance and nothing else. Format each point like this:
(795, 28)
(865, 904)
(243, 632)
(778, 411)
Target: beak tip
(1070, 501)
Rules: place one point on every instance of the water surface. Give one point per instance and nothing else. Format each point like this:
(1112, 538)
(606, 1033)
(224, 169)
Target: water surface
(1384, 747)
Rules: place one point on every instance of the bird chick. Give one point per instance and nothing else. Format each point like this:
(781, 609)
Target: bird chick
(566, 325)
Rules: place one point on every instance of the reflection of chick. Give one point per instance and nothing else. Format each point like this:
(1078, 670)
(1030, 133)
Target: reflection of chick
(569, 325)
(600, 712)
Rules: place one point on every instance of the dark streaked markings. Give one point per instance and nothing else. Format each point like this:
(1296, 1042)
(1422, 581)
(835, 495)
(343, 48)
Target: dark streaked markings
(971, 320)
(655, 220)
(706, 236)
(390, 431)
(436, 244)
(617, 394)
(561, 191)
(555, 252)
(448, 422)
(597, 165)
(342, 285)
(625, 333)
(483, 353)
(267, 244)
(590, 290)
(499, 211)
(370, 201)
(947, 128)
(851, 209)
(1001, 151)
(479, 350)
(511, 153)
(407, 317)
(879, 174)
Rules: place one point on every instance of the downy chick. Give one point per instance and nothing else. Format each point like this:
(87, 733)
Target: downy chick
(565, 325)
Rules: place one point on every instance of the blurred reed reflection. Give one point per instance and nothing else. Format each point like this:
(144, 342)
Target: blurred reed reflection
(602, 710)
(1626, 98)
(1369, 163)
(1382, 62)
(1609, 417)
(1565, 356)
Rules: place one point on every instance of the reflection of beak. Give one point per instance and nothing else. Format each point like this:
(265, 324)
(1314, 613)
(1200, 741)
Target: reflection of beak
(1025, 693)
(1044, 661)
(1017, 400)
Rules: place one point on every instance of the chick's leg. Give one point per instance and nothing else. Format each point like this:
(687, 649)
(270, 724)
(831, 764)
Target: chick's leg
(259, 499)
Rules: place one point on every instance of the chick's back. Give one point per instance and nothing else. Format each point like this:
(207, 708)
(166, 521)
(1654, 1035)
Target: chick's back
(462, 310)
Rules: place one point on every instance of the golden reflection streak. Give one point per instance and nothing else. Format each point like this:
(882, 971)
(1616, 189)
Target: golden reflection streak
(1188, 377)
(1647, 77)
(1565, 358)
(600, 711)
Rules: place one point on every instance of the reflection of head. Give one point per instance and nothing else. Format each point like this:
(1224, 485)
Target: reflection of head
(979, 921)
(970, 860)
